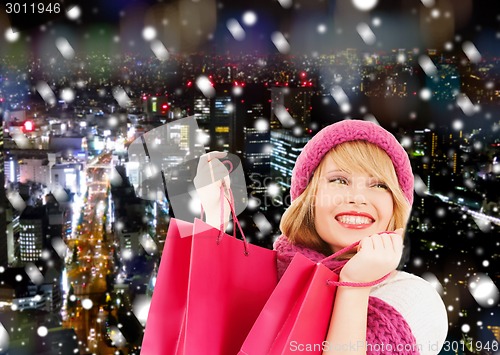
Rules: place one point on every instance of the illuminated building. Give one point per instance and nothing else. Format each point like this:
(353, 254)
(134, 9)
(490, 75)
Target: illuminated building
(11, 170)
(201, 109)
(222, 122)
(129, 239)
(286, 148)
(156, 107)
(297, 101)
(257, 158)
(33, 230)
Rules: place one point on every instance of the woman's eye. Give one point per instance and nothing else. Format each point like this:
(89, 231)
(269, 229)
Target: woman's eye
(339, 180)
(381, 185)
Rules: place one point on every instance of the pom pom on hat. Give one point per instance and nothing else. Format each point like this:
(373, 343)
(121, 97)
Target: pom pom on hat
(345, 131)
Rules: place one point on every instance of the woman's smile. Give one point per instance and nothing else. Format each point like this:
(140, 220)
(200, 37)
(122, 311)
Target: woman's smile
(354, 220)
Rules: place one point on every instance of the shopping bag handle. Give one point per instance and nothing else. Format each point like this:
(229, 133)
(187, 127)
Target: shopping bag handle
(351, 284)
(230, 168)
(230, 199)
(236, 222)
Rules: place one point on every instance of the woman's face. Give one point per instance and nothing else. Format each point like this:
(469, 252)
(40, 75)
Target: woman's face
(350, 206)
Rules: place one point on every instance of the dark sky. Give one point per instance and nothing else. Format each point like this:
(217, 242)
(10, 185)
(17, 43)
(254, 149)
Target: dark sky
(403, 24)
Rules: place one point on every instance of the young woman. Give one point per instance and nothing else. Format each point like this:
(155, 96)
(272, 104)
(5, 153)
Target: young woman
(353, 182)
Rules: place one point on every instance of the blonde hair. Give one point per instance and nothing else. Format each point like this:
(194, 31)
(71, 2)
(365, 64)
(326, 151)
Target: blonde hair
(358, 156)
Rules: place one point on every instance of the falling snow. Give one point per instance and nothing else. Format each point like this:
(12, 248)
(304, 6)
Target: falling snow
(280, 42)
(341, 98)
(484, 291)
(65, 48)
(471, 52)
(121, 96)
(11, 36)
(74, 13)
(364, 5)
(87, 303)
(249, 18)
(425, 94)
(465, 278)
(466, 104)
(205, 86)
(284, 116)
(149, 33)
(286, 3)
(67, 94)
(366, 33)
(427, 65)
(236, 30)
(46, 93)
(159, 50)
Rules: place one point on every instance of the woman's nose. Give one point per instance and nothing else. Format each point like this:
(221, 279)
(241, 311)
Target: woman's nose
(357, 200)
(356, 196)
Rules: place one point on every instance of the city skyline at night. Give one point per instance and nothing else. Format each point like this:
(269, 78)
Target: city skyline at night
(83, 221)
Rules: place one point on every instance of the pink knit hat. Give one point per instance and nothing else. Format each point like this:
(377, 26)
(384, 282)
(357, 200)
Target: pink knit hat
(345, 131)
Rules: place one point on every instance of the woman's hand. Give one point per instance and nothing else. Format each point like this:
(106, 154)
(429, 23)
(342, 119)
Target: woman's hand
(208, 180)
(377, 255)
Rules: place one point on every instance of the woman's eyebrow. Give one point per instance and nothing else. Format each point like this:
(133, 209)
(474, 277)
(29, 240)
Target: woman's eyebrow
(336, 171)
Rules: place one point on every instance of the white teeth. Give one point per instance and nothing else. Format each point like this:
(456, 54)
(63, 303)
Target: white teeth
(354, 219)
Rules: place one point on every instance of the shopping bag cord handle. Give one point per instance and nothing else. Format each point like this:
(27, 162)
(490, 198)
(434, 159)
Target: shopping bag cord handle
(351, 284)
(340, 252)
(230, 169)
(236, 222)
(358, 284)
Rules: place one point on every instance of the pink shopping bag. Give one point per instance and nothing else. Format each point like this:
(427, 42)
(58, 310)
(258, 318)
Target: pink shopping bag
(168, 305)
(299, 310)
(210, 290)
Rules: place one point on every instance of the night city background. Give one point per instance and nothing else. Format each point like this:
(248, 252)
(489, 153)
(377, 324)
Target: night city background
(80, 248)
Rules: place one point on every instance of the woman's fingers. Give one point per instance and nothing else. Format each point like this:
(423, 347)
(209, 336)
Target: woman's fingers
(391, 243)
(382, 241)
(210, 169)
(377, 255)
(215, 154)
(218, 170)
(205, 159)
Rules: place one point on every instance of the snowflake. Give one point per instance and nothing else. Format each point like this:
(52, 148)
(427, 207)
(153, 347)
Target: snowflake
(42, 331)
(87, 303)
(205, 86)
(149, 33)
(427, 65)
(280, 42)
(159, 50)
(484, 291)
(425, 94)
(465, 328)
(366, 33)
(11, 36)
(74, 13)
(65, 48)
(471, 52)
(364, 5)
(235, 29)
(249, 18)
(67, 94)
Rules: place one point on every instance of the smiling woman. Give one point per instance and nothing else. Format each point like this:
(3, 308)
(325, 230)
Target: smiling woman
(353, 182)
(355, 179)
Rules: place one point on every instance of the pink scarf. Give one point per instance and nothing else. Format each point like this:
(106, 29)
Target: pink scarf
(386, 327)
